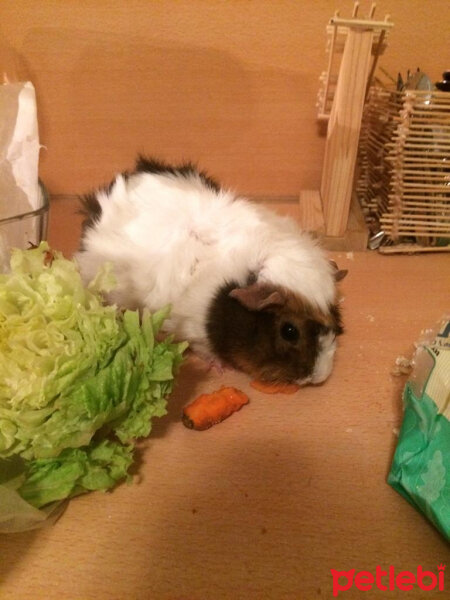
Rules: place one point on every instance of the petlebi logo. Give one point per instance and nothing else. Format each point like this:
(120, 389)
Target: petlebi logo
(389, 580)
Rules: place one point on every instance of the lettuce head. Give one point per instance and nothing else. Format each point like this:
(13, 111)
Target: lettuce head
(80, 381)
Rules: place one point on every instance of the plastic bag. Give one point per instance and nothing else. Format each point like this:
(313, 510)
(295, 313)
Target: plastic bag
(420, 470)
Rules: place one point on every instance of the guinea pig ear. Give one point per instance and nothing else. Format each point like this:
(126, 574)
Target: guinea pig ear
(339, 274)
(257, 296)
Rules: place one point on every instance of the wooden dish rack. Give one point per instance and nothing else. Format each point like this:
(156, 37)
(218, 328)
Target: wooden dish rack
(403, 182)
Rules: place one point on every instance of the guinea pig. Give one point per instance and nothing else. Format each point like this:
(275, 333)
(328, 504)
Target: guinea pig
(247, 287)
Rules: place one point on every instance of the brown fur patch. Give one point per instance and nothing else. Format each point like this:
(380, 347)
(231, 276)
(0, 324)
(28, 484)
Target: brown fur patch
(298, 305)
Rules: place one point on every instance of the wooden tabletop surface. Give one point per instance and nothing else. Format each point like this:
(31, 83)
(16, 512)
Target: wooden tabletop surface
(265, 504)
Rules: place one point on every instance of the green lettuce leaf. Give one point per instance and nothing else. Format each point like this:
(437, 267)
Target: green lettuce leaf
(75, 471)
(79, 380)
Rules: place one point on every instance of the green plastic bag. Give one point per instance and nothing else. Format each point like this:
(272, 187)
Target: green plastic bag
(420, 470)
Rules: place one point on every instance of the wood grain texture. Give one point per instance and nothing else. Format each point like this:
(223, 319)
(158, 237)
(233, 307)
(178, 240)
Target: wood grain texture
(311, 211)
(263, 505)
(231, 85)
(343, 131)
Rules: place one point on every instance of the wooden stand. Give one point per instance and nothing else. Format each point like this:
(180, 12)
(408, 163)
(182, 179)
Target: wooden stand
(311, 216)
(328, 212)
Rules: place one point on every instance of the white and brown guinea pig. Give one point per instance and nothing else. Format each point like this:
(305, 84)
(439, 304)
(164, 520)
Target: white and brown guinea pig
(247, 288)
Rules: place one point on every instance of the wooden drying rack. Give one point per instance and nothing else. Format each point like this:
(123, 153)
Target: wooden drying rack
(404, 167)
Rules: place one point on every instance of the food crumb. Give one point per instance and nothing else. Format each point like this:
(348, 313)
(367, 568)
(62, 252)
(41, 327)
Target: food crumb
(402, 366)
(396, 431)
(350, 255)
(426, 332)
(371, 318)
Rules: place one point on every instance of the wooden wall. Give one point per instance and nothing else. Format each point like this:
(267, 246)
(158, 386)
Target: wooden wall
(229, 84)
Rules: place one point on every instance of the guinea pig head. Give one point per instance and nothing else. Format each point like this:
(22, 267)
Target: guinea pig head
(273, 334)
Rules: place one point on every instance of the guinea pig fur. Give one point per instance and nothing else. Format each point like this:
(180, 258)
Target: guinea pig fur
(247, 288)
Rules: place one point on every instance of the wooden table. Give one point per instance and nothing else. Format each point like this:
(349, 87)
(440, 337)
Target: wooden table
(265, 504)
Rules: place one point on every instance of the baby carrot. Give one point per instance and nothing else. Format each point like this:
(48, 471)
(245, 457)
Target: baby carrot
(209, 409)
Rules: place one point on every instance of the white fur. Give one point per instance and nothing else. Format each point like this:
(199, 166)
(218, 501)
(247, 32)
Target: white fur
(324, 362)
(172, 240)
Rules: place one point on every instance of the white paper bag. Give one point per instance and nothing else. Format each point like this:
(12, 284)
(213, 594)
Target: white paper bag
(20, 193)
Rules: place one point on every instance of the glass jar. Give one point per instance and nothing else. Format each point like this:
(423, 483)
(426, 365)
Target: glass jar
(24, 230)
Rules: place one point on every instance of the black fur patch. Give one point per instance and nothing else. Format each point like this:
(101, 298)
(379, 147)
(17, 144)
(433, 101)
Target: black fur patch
(90, 206)
(250, 340)
(152, 165)
(91, 209)
(229, 324)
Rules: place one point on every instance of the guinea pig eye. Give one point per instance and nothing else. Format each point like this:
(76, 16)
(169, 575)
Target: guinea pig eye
(289, 332)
